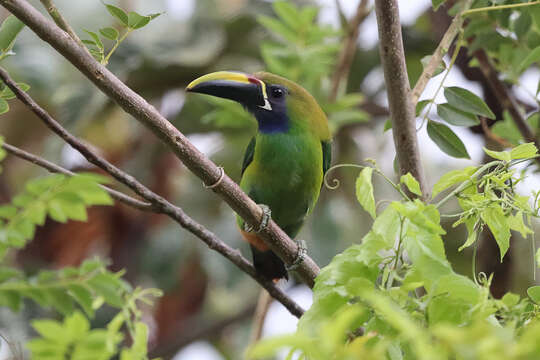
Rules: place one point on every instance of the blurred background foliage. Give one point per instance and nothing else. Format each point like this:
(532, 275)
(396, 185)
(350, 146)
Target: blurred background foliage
(203, 293)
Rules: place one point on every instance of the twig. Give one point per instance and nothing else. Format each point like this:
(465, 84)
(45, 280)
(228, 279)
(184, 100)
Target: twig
(491, 135)
(159, 204)
(439, 53)
(347, 51)
(505, 98)
(499, 7)
(263, 304)
(128, 200)
(399, 91)
(60, 21)
(141, 110)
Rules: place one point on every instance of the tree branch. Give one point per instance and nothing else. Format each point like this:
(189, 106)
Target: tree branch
(159, 204)
(347, 51)
(442, 49)
(399, 91)
(61, 21)
(128, 200)
(141, 110)
(505, 98)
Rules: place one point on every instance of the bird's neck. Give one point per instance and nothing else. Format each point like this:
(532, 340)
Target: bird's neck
(271, 122)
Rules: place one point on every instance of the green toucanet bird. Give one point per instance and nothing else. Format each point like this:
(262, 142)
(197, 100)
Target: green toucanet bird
(285, 162)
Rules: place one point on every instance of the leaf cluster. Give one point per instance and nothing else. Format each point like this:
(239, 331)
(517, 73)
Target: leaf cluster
(301, 50)
(127, 23)
(396, 296)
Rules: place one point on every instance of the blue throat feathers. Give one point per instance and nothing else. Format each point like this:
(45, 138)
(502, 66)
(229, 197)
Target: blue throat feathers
(273, 121)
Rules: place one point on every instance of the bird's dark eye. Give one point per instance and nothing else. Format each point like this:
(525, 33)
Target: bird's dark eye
(277, 92)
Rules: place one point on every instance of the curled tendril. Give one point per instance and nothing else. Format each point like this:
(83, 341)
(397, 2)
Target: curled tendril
(335, 182)
(483, 279)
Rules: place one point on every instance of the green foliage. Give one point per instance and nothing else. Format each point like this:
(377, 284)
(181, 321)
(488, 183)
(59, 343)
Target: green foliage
(446, 140)
(73, 338)
(305, 52)
(396, 296)
(364, 191)
(67, 290)
(128, 22)
(10, 28)
(58, 196)
(411, 183)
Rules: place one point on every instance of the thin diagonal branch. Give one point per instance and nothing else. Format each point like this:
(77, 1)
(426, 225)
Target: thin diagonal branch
(443, 47)
(347, 51)
(61, 21)
(506, 99)
(145, 113)
(52, 167)
(399, 91)
(159, 204)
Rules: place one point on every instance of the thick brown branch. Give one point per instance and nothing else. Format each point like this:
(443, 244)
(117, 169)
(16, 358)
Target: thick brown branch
(441, 50)
(159, 204)
(128, 200)
(141, 110)
(505, 98)
(347, 51)
(399, 91)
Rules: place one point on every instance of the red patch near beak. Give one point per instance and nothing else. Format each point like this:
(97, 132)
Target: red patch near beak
(254, 80)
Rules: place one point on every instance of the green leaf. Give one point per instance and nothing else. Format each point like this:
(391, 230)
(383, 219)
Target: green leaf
(497, 222)
(472, 234)
(420, 106)
(510, 299)
(137, 21)
(89, 42)
(109, 287)
(7, 211)
(364, 191)
(531, 58)
(387, 125)
(118, 13)
(7, 94)
(287, 12)
(498, 155)
(96, 38)
(9, 30)
(51, 330)
(437, 3)
(447, 140)
(277, 28)
(523, 151)
(455, 116)
(4, 106)
(83, 297)
(516, 223)
(453, 177)
(411, 183)
(522, 24)
(534, 293)
(467, 101)
(56, 211)
(109, 33)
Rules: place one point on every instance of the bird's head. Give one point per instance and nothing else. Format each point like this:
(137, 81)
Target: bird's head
(278, 104)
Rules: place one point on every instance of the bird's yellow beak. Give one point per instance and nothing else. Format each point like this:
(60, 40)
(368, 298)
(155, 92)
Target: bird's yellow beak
(243, 88)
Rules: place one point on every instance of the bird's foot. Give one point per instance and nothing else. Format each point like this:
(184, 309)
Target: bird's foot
(302, 252)
(265, 219)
